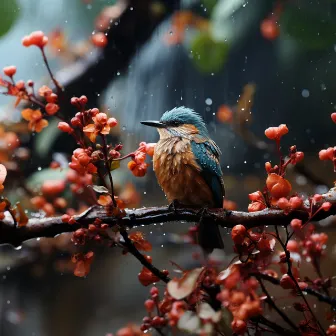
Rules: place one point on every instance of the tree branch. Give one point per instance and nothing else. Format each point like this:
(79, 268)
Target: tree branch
(52, 226)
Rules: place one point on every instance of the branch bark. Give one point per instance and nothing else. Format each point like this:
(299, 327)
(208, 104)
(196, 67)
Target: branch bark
(52, 226)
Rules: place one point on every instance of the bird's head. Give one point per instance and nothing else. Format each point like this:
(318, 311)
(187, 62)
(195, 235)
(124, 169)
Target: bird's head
(180, 121)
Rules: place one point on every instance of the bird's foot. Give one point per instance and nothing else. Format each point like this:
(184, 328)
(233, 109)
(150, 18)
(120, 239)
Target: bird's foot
(202, 213)
(173, 206)
(227, 213)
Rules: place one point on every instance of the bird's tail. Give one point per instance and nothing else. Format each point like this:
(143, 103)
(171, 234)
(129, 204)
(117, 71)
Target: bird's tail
(209, 236)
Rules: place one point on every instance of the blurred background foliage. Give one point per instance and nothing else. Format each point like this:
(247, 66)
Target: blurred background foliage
(243, 65)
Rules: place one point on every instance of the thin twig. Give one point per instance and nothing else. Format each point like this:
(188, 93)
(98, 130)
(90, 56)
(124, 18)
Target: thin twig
(274, 326)
(134, 251)
(57, 85)
(275, 307)
(108, 169)
(298, 289)
(321, 297)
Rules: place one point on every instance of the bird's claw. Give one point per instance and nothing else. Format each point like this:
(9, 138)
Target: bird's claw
(173, 206)
(202, 213)
(227, 213)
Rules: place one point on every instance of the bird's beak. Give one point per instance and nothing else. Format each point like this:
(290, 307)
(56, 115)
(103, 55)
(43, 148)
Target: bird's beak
(153, 123)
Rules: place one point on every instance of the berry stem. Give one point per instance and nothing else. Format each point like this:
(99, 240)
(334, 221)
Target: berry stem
(57, 85)
(108, 169)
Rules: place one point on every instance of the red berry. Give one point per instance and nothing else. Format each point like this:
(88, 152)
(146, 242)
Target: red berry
(239, 327)
(51, 108)
(154, 291)
(99, 40)
(36, 38)
(65, 127)
(149, 305)
(112, 122)
(326, 206)
(333, 117)
(83, 100)
(156, 322)
(296, 224)
(51, 98)
(65, 218)
(286, 282)
(9, 70)
(74, 101)
(269, 29)
(238, 233)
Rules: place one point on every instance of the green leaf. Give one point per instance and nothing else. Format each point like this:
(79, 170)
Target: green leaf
(209, 55)
(114, 165)
(310, 30)
(100, 189)
(47, 138)
(9, 11)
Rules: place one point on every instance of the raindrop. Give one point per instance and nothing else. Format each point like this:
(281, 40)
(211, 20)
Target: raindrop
(305, 93)
(301, 180)
(321, 189)
(124, 128)
(208, 101)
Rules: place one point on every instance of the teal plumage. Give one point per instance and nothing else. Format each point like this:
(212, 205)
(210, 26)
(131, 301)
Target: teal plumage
(207, 156)
(186, 163)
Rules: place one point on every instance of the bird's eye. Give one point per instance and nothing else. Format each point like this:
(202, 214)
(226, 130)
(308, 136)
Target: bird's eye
(175, 123)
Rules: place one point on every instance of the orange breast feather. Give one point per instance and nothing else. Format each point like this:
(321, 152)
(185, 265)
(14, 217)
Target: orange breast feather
(179, 174)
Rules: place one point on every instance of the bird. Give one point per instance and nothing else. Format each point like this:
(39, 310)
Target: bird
(186, 164)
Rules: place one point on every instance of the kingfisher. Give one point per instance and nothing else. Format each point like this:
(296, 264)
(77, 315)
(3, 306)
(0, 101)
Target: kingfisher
(186, 164)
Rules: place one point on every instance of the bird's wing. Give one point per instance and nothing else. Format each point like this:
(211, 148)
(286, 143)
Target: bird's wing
(207, 156)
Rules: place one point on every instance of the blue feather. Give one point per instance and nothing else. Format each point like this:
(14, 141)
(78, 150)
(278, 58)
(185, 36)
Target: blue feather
(207, 155)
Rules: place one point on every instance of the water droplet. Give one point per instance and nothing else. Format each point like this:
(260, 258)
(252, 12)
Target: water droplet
(305, 93)
(39, 168)
(301, 180)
